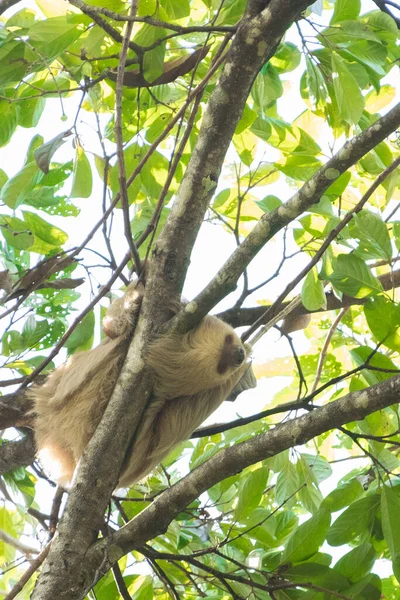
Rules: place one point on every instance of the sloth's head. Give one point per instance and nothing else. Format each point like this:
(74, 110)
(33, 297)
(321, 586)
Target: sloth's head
(233, 354)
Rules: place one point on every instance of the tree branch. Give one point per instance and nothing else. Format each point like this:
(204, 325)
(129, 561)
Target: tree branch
(244, 317)
(101, 462)
(154, 520)
(5, 4)
(255, 42)
(17, 454)
(269, 224)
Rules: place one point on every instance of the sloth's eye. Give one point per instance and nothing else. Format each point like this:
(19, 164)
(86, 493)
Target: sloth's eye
(239, 355)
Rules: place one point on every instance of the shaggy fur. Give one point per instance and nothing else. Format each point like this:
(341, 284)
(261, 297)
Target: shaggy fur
(194, 375)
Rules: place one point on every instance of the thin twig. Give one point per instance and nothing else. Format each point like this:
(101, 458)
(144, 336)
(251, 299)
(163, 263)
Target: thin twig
(123, 189)
(347, 218)
(34, 566)
(325, 347)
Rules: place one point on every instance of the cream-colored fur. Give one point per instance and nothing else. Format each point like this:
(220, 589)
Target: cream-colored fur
(190, 384)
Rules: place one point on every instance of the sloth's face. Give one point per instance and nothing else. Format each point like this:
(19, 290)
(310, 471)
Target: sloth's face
(233, 354)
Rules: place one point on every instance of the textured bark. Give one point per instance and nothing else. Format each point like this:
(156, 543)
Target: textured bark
(269, 224)
(4, 4)
(256, 40)
(17, 454)
(244, 317)
(155, 519)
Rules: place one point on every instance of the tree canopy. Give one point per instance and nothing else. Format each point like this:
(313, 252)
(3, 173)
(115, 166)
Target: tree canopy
(126, 129)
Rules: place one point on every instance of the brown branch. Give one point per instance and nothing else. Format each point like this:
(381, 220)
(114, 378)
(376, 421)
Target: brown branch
(123, 188)
(325, 347)
(269, 224)
(154, 22)
(5, 4)
(154, 520)
(34, 566)
(223, 112)
(327, 242)
(242, 317)
(17, 544)
(113, 33)
(101, 462)
(17, 454)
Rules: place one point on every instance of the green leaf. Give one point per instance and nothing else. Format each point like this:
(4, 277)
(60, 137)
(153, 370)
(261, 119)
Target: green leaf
(307, 538)
(353, 277)
(277, 463)
(16, 188)
(82, 175)
(52, 36)
(13, 62)
(354, 521)
(347, 32)
(247, 119)
(369, 54)
(83, 334)
(45, 152)
(299, 166)
(35, 142)
(368, 588)
(357, 563)
(154, 59)
(8, 121)
(287, 483)
(320, 575)
(363, 354)
(23, 18)
(391, 526)
(313, 85)
(267, 87)
(31, 109)
(383, 318)
(269, 203)
(374, 101)
(343, 495)
(312, 292)
(319, 466)
(251, 492)
(142, 588)
(345, 9)
(348, 94)
(373, 234)
(338, 187)
(16, 232)
(221, 198)
(34, 331)
(3, 178)
(383, 24)
(286, 58)
(175, 9)
(47, 232)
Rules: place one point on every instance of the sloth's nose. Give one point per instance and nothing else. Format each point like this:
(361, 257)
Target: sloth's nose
(240, 355)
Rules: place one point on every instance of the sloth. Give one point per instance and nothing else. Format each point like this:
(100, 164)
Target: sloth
(193, 374)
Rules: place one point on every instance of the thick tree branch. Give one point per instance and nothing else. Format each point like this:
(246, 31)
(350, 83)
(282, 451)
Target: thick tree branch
(259, 33)
(17, 454)
(244, 317)
(269, 224)
(155, 519)
(13, 407)
(5, 4)
(101, 462)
